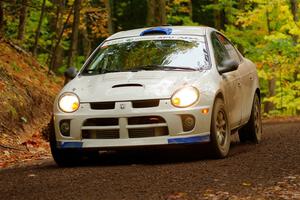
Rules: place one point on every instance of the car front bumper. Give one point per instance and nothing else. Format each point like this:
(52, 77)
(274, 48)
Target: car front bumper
(134, 142)
(123, 112)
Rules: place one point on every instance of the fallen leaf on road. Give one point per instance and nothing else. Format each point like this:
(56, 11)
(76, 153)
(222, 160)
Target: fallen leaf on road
(31, 175)
(246, 184)
(6, 153)
(177, 196)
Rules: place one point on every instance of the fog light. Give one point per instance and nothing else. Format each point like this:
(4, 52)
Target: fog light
(65, 127)
(188, 122)
(205, 111)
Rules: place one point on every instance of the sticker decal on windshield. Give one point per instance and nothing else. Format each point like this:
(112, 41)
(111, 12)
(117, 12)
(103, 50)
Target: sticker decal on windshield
(160, 37)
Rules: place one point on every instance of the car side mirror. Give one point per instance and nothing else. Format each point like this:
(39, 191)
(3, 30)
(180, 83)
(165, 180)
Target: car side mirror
(70, 73)
(228, 66)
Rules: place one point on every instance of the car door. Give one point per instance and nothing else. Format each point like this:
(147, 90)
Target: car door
(230, 82)
(246, 78)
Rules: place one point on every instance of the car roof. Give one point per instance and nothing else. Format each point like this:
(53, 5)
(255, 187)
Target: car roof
(167, 30)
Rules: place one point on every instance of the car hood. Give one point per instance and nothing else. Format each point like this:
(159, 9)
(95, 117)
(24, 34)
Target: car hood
(125, 86)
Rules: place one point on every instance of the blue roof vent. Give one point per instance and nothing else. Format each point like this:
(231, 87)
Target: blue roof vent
(157, 31)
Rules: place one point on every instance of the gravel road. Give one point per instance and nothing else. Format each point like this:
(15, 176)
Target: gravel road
(250, 170)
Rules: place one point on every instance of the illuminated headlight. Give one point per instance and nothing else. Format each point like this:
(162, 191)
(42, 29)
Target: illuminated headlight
(185, 97)
(68, 102)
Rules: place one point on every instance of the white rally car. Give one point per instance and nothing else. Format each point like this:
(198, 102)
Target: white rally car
(158, 86)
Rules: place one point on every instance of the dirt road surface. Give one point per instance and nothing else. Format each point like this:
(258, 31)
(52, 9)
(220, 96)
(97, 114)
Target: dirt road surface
(269, 170)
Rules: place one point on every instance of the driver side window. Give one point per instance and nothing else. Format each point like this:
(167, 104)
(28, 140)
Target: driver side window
(229, 48)
(220, 52)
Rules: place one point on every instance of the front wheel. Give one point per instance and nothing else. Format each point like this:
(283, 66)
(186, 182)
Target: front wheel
(252, 131)
(220, 130)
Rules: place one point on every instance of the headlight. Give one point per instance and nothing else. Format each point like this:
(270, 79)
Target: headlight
(185, 97)
(68, 102)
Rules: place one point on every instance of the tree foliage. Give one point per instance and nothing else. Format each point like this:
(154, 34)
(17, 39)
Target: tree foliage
(266, 31)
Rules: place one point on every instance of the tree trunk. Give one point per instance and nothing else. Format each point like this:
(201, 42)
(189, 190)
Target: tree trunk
(110, 22)
(217, 15)
(294, 9)
(272, 82)
(190, 7)
(57, 51)
(56, 59)
(38, 30)
(22, 20)
(86, 41)
(156, 14)
(1, 17)
(241, 5)
(74, 37)
(272, 86)
(268, 22)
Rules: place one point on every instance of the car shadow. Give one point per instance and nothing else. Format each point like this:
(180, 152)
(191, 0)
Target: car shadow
(142, 156)
(238, 148)
(149, 156)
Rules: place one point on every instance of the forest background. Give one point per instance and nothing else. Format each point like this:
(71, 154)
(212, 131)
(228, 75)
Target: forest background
(63, 33)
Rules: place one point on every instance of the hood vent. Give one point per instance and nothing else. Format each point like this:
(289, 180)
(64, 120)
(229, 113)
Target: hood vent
(127, 85)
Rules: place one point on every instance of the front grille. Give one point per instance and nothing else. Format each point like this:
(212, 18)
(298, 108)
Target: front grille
(145, 103)
(101, 122)
(100, 134)
(145, 120)
(102, 105)
(148, 132)
(143, 132)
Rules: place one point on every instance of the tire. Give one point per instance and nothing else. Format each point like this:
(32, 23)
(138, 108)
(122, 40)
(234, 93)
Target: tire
(63, 157)
(220, 130)
(252, 131)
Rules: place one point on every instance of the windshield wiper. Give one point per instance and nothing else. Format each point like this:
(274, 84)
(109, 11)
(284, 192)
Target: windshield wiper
(109, 71)
(95, 72)
(162, 67)
(141, 68)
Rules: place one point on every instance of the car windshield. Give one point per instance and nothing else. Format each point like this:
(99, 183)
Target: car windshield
(155, 53)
